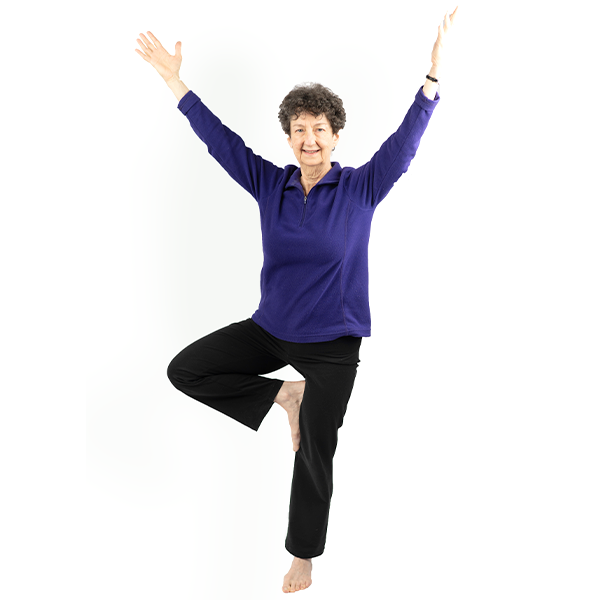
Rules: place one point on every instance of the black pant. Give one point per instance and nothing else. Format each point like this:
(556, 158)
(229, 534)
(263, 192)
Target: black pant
(222, 370)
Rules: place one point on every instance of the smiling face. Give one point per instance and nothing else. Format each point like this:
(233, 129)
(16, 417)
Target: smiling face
(312, 140)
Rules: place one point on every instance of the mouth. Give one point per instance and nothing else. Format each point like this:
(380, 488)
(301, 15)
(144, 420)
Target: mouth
(310, 152)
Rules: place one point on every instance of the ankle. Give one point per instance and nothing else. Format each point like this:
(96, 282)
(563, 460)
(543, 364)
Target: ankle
(283, 395)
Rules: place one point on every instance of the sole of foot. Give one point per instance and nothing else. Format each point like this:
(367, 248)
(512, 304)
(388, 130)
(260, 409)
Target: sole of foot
(290, 398)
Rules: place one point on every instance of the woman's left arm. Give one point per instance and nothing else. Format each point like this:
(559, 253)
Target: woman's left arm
(370, 183)
(430, 87)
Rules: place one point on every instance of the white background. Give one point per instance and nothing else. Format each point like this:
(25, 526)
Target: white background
(467, 466)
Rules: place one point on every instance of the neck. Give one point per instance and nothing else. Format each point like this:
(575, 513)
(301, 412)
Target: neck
(312, 175)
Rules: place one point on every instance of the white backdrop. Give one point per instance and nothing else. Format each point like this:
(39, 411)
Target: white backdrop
(467, 466)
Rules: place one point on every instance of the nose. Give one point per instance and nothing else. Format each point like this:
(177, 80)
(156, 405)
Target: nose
(309, 138)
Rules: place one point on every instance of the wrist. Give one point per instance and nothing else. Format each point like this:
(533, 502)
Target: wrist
(177, 86)
(172, 78)
(434, 71)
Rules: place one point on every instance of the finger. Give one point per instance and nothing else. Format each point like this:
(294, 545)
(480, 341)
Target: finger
(453, 16)
(443, 23)
(142, 55)
(142, 46)
(158, 44)
(147, 41)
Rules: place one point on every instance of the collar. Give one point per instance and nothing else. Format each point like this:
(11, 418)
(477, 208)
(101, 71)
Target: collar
(332, 176)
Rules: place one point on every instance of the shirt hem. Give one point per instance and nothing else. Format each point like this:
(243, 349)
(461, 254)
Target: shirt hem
(314, 337)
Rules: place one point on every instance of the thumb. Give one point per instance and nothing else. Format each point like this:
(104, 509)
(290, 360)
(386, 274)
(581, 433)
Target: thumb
(178, 49)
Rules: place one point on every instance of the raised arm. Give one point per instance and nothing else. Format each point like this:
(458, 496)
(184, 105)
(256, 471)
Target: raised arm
(430, 87)
(369, 184)
(256, 175)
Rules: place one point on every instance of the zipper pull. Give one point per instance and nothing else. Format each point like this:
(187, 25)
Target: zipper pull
(304, 199)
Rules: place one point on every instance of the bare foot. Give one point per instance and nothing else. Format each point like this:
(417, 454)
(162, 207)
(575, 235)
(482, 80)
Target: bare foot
(298, 577)
(290, 397)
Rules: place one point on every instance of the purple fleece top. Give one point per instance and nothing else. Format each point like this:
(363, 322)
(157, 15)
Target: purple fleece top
(314, 279)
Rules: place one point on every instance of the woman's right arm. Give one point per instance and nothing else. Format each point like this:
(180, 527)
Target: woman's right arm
(255, 174)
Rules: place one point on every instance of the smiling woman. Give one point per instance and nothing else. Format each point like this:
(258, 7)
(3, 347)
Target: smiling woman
(312, 115)
(313, 139)
(314, 308)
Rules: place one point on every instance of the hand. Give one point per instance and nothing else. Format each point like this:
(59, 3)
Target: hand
(166, 64)
(438, 48)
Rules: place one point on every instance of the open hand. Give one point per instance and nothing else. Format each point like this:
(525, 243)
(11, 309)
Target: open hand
(153, 52)
(443, 31)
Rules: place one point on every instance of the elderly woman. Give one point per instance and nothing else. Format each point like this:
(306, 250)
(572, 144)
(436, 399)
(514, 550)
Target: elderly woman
(314, 306)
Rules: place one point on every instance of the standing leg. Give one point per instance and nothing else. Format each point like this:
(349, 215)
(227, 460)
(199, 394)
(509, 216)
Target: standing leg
(222, 370)
(330, 370)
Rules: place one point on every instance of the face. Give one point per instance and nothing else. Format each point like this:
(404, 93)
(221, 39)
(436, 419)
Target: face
(312, 140)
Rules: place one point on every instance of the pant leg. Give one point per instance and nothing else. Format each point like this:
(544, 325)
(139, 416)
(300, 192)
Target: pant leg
(329, 369)
(222, 371)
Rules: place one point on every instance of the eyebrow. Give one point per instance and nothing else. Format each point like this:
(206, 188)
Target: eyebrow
(300, 123)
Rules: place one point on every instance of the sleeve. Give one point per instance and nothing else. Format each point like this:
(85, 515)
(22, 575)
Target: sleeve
(255, 174)
(368, 185)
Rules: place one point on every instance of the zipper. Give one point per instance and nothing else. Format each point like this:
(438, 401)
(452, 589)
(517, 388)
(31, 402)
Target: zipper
(303, 212)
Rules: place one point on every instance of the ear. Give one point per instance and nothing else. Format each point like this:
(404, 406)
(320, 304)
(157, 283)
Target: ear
(336, 137)
(290, 141)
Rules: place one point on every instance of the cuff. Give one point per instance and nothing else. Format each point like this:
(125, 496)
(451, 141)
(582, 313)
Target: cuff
(187, 101)
(424, 102)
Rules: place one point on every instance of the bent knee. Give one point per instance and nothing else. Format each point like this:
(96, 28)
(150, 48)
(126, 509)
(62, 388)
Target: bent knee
(173, 371)
(179, 374)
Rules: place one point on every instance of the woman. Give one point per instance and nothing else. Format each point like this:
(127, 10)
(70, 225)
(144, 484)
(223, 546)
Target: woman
(314, 308)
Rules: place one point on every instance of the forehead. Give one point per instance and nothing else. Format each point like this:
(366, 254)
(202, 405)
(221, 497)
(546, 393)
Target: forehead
(308, 119)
